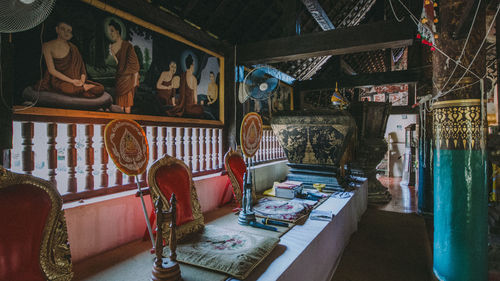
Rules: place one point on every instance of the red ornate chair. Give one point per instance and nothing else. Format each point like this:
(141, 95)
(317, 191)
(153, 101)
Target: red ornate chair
(236, 168)
(170, 175)
(33, 240)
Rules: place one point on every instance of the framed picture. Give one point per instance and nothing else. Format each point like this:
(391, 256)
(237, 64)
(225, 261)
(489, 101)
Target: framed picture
(114, 62)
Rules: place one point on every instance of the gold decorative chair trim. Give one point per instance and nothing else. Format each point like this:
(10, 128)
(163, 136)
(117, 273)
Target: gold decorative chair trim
(197, 223)
(55, 255)
(232, 177)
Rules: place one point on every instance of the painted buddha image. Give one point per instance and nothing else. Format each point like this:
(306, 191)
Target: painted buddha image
(127, 68)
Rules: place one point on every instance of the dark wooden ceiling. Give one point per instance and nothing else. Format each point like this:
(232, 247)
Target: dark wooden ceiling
(241, 21)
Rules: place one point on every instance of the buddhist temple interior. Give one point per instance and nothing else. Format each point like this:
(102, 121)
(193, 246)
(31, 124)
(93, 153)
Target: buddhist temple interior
(347, 140)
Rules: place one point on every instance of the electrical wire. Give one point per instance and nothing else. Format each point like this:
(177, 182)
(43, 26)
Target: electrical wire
(463, 49)
(478, 50)
(394, 13)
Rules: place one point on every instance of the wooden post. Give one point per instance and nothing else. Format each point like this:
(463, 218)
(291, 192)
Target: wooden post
(89, 157)
(164, 268)
(52, 152)
(71, 159)
(164, 137)
(27, 133)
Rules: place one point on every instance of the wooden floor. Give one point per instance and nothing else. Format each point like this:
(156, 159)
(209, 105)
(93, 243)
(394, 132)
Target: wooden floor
(404, 198)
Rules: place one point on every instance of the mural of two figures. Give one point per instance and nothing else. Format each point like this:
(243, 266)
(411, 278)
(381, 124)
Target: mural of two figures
(97, 61)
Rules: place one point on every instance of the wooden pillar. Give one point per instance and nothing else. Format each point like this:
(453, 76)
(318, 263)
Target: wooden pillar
(52, 152)
(89, 157)
(71, 155)
(460, 193)
(27, 133)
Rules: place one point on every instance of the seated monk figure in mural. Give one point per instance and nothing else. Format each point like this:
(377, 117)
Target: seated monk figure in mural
(188, 97)
(66, 73)
(127, 68)
(167, 85)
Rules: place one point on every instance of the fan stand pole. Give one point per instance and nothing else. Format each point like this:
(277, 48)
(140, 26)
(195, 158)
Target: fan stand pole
(145, 211)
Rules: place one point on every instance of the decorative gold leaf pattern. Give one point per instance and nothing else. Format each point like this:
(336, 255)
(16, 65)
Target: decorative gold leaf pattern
(457, 124)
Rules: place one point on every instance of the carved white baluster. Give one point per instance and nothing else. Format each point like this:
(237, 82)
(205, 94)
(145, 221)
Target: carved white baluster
(202, 149)
(171, 141)
(195, 153)
(179, 134)
(187, 147)
(214, 149)
(208, 151)
(219, 149)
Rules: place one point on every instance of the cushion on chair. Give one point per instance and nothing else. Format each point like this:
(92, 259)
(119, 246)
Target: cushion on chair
(24, 210)
(175, 179)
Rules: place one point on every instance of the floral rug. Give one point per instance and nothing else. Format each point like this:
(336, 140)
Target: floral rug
(236, 253)
(289, 211)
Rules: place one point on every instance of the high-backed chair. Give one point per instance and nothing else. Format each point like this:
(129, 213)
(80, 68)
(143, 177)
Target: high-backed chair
(236, 168)
(33, 236)
(170, 175)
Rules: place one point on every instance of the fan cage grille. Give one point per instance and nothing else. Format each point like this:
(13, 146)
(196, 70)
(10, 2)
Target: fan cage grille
(17, 16)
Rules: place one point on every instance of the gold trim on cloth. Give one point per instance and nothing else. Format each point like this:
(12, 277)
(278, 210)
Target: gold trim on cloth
(190, 227)
(457, 124)
(55, 255)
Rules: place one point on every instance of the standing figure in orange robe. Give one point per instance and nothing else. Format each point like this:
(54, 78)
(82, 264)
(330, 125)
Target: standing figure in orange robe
(66, 73)
(188, 94)
(127, 68)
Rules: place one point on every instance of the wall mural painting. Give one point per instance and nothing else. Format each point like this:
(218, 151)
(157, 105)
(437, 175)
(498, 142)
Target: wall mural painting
(94, 60)
(396, 94)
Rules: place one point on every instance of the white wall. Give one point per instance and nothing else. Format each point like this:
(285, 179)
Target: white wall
(103, 223)
(396, 130)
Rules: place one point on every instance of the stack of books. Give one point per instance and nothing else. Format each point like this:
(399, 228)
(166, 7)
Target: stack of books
(288, 189)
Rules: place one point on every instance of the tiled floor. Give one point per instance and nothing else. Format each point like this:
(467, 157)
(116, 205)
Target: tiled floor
(404, 198)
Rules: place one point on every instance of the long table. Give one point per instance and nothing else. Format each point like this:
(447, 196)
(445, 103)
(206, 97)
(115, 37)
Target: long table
(312, 251)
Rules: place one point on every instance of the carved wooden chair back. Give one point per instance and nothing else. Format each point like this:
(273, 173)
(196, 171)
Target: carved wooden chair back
(236, 168)
(34, 240)
(170, 175)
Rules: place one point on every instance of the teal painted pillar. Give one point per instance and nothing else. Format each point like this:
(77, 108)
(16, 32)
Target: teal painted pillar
(460, 193)
(425, 183)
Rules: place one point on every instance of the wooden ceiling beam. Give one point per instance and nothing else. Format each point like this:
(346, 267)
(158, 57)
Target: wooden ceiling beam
(362, 80)
(361, 38)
